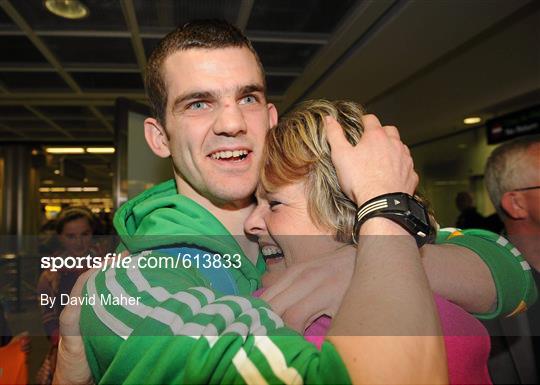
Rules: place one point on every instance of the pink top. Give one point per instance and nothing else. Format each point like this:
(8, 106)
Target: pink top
(467, 341)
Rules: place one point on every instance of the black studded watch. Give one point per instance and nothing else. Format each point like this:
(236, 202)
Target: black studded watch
(402, 208)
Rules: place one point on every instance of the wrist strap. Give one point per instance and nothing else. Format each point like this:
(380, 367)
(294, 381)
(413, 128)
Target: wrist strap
(400, 208)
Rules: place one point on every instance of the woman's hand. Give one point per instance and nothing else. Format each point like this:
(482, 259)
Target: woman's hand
(379, 164)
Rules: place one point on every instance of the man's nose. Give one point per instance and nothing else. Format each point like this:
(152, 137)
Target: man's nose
(230, 121)
(254, 223)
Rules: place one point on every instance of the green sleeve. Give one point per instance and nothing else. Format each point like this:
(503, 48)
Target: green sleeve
(183, 332)
(516, 290)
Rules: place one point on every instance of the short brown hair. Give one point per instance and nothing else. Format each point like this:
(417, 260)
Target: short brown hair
(201, 34)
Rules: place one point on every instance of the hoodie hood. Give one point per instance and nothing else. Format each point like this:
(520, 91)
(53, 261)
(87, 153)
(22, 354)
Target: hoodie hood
(161, 218)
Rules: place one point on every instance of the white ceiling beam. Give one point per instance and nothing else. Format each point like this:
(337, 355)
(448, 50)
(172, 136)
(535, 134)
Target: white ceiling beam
(289, 37)
(131, 20)
(87, 96)
(116, 68)
(101, 118)
(244, 13)
(263, 36)
(72, 67)
(164, 14)
(12, 130)
(49, 121)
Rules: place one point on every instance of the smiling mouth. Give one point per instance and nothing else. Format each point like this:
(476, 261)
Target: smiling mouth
(230, 156)
(272, 254)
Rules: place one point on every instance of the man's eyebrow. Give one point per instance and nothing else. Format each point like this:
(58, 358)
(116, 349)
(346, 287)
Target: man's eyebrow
(250, 88)
(191, 96)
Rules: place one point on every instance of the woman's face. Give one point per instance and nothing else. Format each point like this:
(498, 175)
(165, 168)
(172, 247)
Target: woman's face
(285, 230)
(76, 237)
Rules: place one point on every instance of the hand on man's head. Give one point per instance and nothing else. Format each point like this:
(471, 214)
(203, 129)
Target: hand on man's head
(379, 164)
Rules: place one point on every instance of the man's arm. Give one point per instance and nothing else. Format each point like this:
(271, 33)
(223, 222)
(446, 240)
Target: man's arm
(478, 270)
(389, 294)
(461, 276)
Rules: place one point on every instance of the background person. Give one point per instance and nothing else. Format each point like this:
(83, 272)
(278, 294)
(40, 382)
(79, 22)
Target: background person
(512, 178)
(469, 217)
(75, 227)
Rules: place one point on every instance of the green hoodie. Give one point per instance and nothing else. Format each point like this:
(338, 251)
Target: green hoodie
(186, 328)
(160, 217)
(173, 326)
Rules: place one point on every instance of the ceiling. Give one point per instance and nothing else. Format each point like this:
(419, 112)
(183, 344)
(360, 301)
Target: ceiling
(422, 65)
(426, 65)
(59, 78)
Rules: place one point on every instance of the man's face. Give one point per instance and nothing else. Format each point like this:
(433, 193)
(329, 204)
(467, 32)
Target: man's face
(533, 179)
(217, 117)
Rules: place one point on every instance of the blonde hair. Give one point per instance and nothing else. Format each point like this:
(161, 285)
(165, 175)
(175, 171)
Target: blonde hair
(297, 150)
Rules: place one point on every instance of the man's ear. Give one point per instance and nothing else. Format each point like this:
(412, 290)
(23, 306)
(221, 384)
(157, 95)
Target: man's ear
(272, 115)
(156, 138)
(514, 205)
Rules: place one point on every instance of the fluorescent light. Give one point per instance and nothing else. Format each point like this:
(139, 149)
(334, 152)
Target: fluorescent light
(53, 208)
(472, 120)
(100, 150)
(69, 189)
(69, 9)
(65, 150)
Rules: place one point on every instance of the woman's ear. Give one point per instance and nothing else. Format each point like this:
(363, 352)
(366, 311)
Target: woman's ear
(156, 137)
(514, 205)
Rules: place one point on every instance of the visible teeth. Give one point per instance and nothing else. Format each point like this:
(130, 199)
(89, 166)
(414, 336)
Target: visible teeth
(271, 250)
(228, 154)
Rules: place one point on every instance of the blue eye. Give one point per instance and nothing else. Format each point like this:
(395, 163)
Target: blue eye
(250, 99)
(198, 106)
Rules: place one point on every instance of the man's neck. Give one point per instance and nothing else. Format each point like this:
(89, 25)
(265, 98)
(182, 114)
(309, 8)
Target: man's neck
(526, 238)
(232, 216)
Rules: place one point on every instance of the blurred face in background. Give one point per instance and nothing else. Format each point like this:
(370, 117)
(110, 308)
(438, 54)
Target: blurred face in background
(76, 237)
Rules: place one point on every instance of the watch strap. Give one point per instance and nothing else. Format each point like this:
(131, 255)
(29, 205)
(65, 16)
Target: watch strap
(401, 208)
